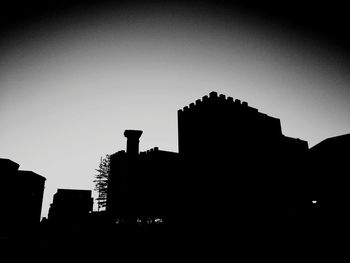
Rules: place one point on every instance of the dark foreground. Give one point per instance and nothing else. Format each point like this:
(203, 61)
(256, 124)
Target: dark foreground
(217, 243)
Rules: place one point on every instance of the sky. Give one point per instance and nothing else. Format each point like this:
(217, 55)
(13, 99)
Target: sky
(72, 81)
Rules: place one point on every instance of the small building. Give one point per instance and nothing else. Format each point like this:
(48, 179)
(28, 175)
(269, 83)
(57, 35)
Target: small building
(70, 206)
(141, 184)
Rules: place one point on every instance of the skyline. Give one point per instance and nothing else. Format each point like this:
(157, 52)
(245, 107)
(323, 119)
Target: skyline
(105, 72)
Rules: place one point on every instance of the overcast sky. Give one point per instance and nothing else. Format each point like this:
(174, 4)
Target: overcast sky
(71, 85)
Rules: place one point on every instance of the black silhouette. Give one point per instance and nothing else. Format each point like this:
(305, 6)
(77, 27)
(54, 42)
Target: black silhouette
(232, 165)
(21, 198)
(236, 185)
(138, 187)
(70, 206)
(238, 159)
(329, 176)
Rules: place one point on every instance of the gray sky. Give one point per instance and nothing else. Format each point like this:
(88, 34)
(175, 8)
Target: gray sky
(70, 87)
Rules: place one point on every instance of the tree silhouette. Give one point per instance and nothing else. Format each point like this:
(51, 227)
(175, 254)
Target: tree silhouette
(101, 182)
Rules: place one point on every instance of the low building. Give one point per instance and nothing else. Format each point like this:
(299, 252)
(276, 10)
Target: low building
(70, 206)
(141, 184)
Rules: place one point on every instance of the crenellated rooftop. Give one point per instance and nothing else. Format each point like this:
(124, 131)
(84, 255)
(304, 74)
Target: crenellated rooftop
(220, 99)
(154, 149)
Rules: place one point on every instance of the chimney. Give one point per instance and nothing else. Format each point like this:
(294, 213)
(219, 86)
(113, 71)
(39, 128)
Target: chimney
(132, 143)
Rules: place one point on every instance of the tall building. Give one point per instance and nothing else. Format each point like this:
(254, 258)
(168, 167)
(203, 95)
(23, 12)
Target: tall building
(239, 164)
(31, 191)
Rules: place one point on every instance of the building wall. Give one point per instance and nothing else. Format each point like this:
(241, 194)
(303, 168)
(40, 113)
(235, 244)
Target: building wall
(217, 123)
(329, 168)
(71, 206)
(31, 195)
(234, 163)
(21, 198)
(118, 187)
(238, 159)
(142, 185)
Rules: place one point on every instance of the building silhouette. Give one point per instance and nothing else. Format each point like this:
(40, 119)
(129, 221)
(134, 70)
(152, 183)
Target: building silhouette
(140, 184)
(241, 169)
(234, 166)
(21, 199)
(70, 206)
(237, 185)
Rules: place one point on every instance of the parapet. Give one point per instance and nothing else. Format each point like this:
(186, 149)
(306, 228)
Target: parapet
(216, 99)
(154, 149)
